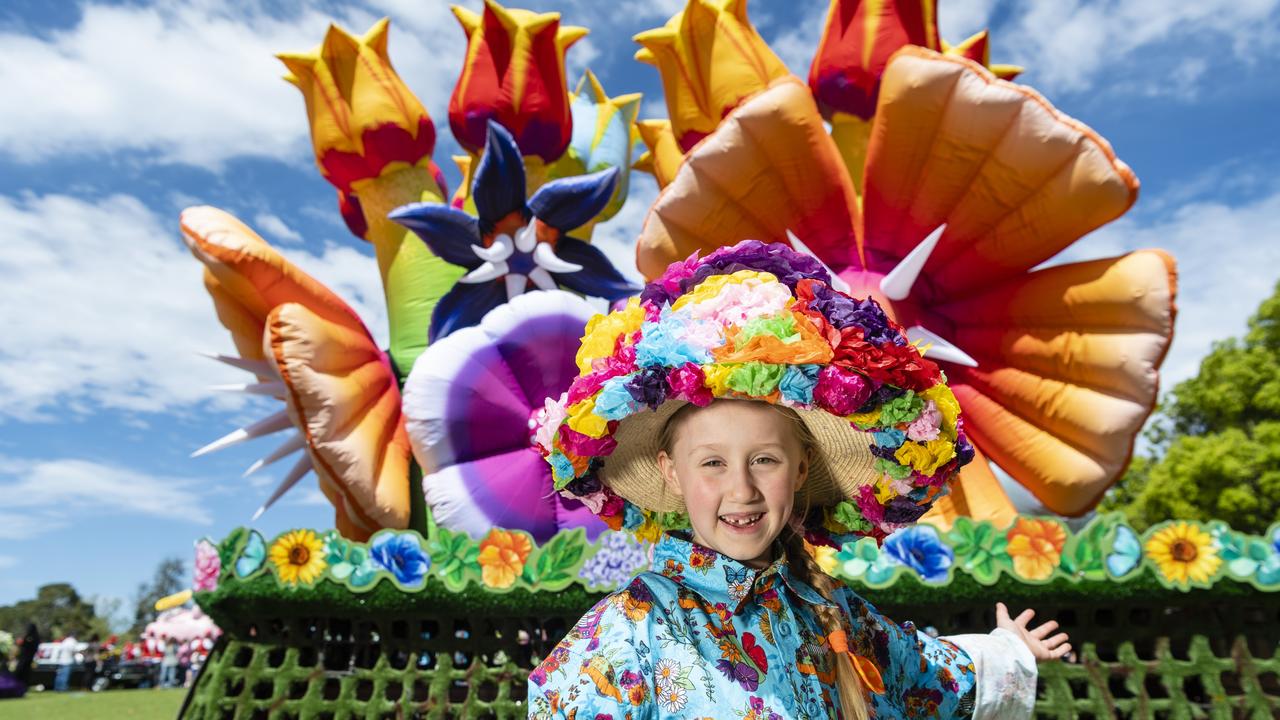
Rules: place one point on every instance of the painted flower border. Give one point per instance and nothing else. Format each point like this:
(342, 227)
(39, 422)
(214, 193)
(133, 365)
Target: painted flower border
(1179, 554)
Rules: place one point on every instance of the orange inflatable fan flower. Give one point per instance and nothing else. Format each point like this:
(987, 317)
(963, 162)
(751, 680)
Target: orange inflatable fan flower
(970, 183)
(310, 350)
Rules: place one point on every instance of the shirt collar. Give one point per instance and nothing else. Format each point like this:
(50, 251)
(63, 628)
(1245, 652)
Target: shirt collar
(719, 578)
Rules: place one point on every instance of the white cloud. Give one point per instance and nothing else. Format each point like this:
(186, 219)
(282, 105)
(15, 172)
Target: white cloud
(7, 561)
(1228, 262)
(55, 491)
(792, 32)
(104, 307)
(191, 82)
(1067, 45)
(15, 526)
(275, 227)
(958, 19)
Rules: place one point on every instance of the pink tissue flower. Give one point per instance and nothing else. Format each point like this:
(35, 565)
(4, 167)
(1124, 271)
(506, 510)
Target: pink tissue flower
(925, 427)
(688, 382)
(840, 392)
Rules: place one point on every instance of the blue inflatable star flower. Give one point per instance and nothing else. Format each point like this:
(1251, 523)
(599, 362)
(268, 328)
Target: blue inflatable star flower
(515, 244)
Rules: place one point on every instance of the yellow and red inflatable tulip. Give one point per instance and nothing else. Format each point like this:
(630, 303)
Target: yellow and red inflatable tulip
(514, 74)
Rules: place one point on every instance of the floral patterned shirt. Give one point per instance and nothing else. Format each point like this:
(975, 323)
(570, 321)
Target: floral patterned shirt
(706, 636)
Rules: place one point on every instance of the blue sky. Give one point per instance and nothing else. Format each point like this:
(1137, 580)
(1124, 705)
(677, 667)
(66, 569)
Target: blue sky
(118, 115)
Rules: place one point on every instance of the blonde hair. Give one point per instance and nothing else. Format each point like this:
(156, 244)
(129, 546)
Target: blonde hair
(853, 700)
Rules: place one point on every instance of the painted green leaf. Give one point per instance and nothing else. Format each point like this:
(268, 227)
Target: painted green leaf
(1083, 556)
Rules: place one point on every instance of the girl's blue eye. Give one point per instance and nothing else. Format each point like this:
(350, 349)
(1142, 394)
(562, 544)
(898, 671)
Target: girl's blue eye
(766, 460)
(712, 463)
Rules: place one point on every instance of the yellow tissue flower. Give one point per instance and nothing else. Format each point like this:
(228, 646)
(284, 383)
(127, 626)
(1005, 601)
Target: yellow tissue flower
(926, 458)
(603, 331)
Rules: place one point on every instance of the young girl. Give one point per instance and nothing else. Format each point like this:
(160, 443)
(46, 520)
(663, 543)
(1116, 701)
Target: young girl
(740, 412)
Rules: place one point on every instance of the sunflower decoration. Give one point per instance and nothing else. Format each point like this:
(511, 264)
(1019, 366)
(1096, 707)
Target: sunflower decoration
(1184, 554)
(298, 556)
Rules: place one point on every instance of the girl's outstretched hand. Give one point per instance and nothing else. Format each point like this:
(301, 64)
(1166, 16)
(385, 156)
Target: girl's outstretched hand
(1034, 638)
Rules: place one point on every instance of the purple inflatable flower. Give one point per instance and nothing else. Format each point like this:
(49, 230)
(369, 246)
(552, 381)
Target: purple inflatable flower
(468, 406)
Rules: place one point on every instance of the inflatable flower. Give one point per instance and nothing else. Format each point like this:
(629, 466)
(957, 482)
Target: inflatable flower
(602, 139)
(971, 182)
(373, 141)
(1036, 547)
(514, 74)
(859, 38)
(502, 556)
(468, 406)
(309, 349)
(1183, 554)
(515, 243)
(710, 57)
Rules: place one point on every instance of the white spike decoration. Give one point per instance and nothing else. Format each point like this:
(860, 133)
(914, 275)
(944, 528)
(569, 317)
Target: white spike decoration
(296, 473)
(545, 256)
(938, 348)
(274, 388)
(257, 367)
(526, 238)
(266, 426)
(501, 249)
(295, 443)
(516, 283)
(897, 284)
(488, 271)
(837, 282)
(542, 279)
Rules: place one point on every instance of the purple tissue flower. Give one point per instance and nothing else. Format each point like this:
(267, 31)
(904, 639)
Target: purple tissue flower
(901, 510)
(649, 386)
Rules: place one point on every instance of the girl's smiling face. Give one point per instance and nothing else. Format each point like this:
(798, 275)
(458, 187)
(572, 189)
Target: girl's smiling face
(737, 465)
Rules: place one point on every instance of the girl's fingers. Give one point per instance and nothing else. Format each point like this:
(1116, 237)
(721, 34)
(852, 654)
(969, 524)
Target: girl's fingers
(1040, 632)
(1002, 614)
(1060, 651)
(1025, 617)
(1055, 641)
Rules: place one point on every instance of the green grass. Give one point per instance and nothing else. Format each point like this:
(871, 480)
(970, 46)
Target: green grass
(125, 704)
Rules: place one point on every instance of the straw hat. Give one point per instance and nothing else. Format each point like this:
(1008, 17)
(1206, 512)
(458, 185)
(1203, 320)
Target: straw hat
(841, 460)
(756, 322)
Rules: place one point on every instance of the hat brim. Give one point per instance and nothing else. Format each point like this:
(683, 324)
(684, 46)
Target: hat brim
(840, 464)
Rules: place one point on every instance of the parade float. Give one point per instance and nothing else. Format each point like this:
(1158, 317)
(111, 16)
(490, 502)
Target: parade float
(912, 169)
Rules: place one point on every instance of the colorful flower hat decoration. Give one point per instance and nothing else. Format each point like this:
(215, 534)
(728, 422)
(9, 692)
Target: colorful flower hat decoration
(469, 403)
(763, 322)
(515, 243)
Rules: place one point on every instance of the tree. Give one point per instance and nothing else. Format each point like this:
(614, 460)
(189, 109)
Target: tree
(170, 578)
(57, 610)
(1215, 441)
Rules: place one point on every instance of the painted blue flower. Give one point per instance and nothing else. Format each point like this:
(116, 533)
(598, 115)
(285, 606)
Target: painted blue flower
(919, 548)
(514, 243)
(1126, 551)
(401, 554)
(254, 555)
